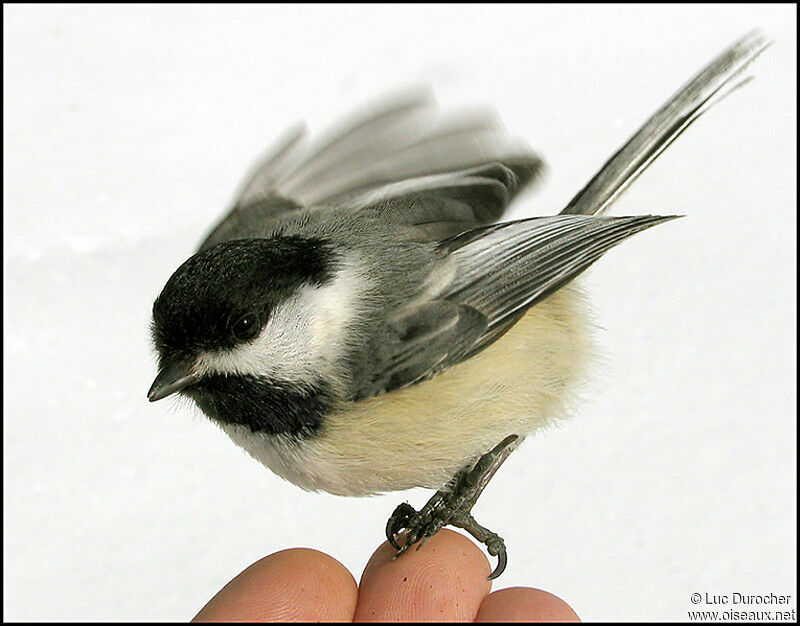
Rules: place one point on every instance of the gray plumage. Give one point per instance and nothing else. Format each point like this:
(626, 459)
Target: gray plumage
(417, 185)
(404, 160)
(405, 177)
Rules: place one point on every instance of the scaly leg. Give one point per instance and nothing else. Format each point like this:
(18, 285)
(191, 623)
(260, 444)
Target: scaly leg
(452, 505)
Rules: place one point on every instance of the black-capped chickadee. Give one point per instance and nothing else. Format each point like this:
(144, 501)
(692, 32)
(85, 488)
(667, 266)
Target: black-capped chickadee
(359, 323)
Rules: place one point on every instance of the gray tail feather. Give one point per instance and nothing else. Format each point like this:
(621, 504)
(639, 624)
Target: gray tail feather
(709, 86)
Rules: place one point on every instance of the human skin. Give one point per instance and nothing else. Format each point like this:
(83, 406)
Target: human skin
(445, 581)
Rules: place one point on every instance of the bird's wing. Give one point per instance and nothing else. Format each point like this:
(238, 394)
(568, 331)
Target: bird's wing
(715, 81)
(402, 158)
(443, 205)
(504, 269)
(500, 272)
(420, 343)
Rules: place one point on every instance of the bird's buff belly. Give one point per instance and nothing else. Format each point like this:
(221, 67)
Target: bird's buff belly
(420, 436)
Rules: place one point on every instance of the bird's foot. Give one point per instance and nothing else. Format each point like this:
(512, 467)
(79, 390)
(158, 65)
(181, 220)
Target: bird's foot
(452, 505)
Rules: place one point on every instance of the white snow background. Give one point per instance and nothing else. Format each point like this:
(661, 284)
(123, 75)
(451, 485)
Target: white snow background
(126, 131)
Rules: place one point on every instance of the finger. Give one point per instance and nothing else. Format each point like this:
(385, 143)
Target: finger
(444, 581)
(290, 585)
(523, 604)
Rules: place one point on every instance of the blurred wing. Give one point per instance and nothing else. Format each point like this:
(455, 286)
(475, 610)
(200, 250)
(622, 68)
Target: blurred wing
(444, 205)
(501, 271)
(401, 158)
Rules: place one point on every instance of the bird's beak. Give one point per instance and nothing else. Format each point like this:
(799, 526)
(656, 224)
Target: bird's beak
(171, 378)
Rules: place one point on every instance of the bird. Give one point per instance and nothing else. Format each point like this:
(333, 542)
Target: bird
(361, 320)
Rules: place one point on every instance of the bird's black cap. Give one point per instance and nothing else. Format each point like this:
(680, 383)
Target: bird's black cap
(215, 289)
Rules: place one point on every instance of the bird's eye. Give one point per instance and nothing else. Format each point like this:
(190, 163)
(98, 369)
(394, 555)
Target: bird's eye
(245, 327)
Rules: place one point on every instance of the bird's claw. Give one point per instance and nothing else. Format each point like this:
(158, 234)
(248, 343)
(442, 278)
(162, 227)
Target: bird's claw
(419, 525)
(497, 547)
(399, 520)
(424, 524)
(452, 505)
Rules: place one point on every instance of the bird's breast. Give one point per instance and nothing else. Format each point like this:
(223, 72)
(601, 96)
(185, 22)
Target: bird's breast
(421, 435)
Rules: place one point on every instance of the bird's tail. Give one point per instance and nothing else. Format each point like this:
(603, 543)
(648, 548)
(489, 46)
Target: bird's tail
(709, 86)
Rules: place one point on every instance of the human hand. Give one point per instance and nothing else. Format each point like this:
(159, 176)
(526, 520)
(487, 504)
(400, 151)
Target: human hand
(445, 581)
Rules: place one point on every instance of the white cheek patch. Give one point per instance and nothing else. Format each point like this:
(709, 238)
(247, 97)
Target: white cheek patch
(303, 338)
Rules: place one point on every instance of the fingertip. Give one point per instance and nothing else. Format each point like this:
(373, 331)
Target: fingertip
(524, 604)
(445, 580)
(298, 584)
